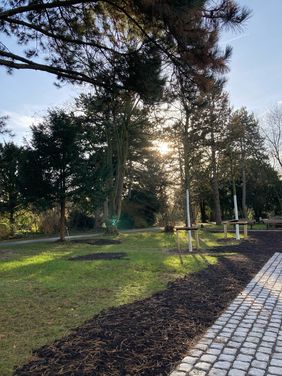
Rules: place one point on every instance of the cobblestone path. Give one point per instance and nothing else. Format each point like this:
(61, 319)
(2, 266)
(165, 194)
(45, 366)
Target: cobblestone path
(247, 338)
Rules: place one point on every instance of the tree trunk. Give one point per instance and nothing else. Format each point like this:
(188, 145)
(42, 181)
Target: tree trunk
(215, 190)
(244, 193)
(204, 216)
(62, 220)
(12, 222)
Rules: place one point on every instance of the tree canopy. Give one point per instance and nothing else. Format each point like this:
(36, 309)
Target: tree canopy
(78, 40)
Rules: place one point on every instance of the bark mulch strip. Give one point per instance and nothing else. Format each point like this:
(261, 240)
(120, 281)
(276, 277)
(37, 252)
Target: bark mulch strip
(99, 256)
(149, 337)
(98, 241)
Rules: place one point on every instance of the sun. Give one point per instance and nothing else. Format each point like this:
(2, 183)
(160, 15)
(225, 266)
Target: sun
(163, 147)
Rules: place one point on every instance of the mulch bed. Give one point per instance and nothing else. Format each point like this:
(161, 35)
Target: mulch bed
(6, 253)
(99, 256)
(98, 241)
(149, 337)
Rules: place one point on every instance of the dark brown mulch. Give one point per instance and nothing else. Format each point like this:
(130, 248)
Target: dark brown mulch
(100, 256)
(6, 253)
(98, 241)
(149, 337)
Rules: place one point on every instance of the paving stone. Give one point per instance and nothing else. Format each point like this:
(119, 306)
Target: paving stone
(256, 372)
(197, 372)
(259, 364)
(275, 370)
(217, 372)
(203, 366)
(222, 365)
(241, 365)
(244, 358)
(248, 351)
(185, 367)
(189, 360)
(266, 350)
(262, 356)
(276, 362)
(229, 351)
(227, 357)
(236, 372)
(208, 358)
(213, 351)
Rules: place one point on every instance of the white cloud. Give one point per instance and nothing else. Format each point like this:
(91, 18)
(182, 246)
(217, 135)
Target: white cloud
(19, 124)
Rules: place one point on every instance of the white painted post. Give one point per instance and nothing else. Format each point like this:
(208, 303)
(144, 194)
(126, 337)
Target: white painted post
(236, 217)
(188, 221)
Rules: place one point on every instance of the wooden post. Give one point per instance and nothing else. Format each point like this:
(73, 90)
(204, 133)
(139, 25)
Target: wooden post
(225, 230)
(245, 231)
(178, 243)
(197, 239)
(190, 247)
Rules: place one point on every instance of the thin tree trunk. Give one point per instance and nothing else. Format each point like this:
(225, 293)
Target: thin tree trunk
(215, 190)
(62, 220)
(12, 222)
(244, 193)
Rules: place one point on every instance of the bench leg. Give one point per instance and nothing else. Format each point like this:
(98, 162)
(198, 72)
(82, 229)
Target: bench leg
(225, 230)
(245, 231)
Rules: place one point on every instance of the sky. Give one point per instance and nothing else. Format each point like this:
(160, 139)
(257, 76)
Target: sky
(254, 80)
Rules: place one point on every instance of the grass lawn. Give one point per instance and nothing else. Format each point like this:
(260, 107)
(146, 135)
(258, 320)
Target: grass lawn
(44, 295)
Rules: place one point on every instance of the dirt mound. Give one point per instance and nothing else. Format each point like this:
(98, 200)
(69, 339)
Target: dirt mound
(6, 253)
(98, 241)
(100, 256)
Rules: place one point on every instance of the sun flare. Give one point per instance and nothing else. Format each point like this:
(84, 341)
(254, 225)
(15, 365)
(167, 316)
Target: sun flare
(163, 147)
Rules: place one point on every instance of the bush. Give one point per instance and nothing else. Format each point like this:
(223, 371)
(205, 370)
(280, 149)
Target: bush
(80, 221)
(4, 231)
(49, 222)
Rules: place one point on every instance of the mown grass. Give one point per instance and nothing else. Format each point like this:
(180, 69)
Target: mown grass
(43, 294)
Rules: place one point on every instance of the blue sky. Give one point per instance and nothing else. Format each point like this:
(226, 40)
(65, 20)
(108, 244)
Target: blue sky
(254, 81)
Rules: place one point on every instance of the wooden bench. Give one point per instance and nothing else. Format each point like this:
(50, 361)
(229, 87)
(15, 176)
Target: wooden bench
(194, 228)
(275, 222)
(235, 222)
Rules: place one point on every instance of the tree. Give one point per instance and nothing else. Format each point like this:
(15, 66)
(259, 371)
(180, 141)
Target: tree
(246, 142)
(79, 39)
(3, 126)
(10, 198)
(273, 133)
(265, 188)
(213, 119)
(54, 161)
(115, 122)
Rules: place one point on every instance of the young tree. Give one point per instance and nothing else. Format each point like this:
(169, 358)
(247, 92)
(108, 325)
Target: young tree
(214, 117)
(10, 198)
(244, 138)
(54, 161)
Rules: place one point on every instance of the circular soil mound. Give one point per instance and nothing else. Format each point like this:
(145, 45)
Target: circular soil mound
(99, 241)
(100, 256)
(6, 253)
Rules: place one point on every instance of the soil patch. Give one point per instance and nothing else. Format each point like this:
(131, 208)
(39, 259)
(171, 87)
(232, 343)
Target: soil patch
(6, 253)
(98, 241)
(149, 337)
(100, 256)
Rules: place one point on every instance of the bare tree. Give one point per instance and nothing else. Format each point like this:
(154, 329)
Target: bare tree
(272, 129)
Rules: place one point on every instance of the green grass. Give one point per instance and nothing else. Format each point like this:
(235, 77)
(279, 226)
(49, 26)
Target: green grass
(44, 295)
